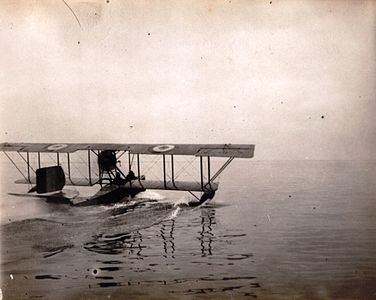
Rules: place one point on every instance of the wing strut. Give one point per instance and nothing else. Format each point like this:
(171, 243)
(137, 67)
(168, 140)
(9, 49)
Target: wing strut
(173, 171)
(194, 195)
(209, 181)
(201, 174)
(69, 169)
(89, 165)
(38, 160)
(130, 161)
(138, 170)
(27, 161)
(18, 169)
(164, 171)
(221, 169)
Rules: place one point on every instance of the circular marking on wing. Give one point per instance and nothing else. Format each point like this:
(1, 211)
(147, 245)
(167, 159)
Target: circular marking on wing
(56, 147)
(163, 148)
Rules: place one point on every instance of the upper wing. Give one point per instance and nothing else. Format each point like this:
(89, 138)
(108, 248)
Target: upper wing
(222, 150)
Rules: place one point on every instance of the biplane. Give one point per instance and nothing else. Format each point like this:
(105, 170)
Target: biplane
(103, 168)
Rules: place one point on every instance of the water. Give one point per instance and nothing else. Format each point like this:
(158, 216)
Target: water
(275, 230)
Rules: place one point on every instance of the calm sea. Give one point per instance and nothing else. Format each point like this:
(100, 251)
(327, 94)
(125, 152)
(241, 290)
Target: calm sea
(275, 230)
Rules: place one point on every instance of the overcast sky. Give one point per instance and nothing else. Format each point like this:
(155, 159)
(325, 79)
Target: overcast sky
(295, 78)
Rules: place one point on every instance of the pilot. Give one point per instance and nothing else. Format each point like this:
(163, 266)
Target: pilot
(118, 180)
(130, 176)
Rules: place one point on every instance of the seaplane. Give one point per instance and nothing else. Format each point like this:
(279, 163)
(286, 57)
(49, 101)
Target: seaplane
(103, 168)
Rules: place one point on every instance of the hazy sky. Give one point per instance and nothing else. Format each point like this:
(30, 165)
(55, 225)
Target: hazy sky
(192, 72)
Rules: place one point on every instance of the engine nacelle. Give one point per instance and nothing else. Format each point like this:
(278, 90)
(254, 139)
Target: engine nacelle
(107, 160)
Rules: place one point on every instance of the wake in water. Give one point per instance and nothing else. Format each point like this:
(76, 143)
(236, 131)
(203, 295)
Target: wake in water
(102, 228)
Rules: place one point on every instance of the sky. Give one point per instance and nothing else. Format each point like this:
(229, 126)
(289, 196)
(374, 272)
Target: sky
(296, 78)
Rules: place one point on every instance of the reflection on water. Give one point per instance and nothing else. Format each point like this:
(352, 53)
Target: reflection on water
(206, 234)
(167, 234)
(160, 255)
(120, 243)
(168, 258)
(275, 235)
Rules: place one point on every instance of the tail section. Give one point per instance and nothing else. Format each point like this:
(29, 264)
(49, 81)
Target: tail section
(50, 179)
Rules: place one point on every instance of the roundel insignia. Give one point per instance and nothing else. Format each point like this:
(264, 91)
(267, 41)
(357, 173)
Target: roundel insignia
(56, 147)
(163, 148)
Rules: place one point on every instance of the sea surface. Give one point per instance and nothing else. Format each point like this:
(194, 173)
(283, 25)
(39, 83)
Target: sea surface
(275, 230)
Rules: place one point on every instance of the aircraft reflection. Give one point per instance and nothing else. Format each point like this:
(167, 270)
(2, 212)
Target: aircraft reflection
(117, 244)
(167, 234)
(133, 243)
(206, 235)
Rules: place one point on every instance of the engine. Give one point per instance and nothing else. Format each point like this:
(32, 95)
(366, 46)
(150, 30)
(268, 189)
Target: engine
(107, 160)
